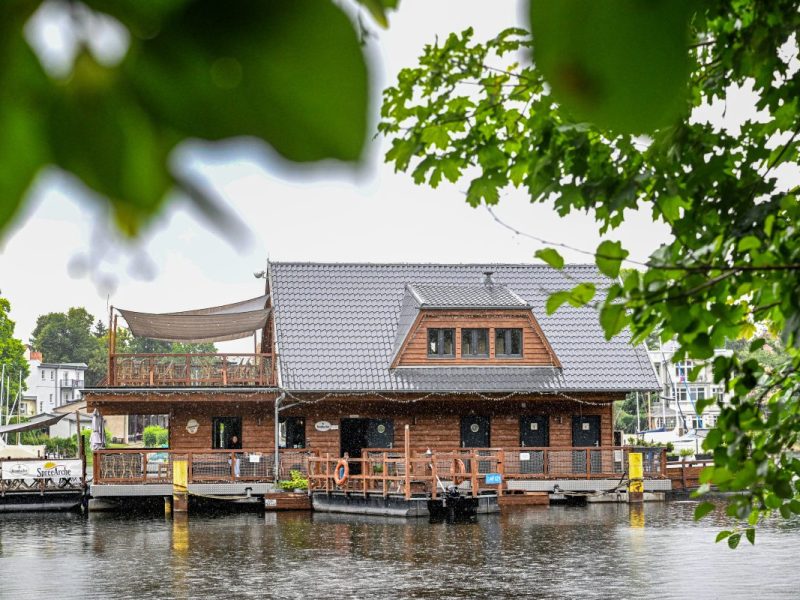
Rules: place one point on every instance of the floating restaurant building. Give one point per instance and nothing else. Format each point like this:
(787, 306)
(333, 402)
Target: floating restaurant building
(385, 384)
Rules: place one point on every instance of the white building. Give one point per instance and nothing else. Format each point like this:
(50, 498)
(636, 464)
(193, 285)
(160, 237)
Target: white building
(676, 405)
(53, 384)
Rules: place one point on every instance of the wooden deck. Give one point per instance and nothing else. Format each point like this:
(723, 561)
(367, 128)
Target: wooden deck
(183, 370)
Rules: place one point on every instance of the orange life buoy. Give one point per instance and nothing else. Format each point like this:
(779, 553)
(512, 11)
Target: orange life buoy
(459, 471)
(341, 472)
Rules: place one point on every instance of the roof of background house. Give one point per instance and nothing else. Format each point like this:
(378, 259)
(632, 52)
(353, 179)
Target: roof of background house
(337, 326)
(465, 296)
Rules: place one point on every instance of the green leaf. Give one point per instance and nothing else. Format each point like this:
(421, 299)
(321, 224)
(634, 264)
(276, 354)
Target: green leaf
(22, 135)
(586, 52)
(733, 540)
(554, 301)
(751, 535)
(613, 319)
(702, 403)
(378, 9)
(98, 133)
(581, 294)
(702, 510)
(290, 73)
(551, 257)
(609, 257)
(484, 189)
(748, 242)
(722, 535)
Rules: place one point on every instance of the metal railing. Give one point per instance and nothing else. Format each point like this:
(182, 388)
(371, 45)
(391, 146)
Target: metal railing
(178, 370)
(146, 466)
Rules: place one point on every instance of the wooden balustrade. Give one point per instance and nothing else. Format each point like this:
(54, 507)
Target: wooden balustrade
(182, 370)
(154, 465)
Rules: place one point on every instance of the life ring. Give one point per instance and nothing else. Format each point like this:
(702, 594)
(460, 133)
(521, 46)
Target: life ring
(459, 471)
(341, 472)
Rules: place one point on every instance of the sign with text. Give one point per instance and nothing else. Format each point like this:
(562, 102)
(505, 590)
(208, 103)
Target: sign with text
(41, 469)
(493, 478)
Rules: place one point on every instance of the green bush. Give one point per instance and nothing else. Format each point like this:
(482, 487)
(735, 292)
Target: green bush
(155, 436)
(297, 482)
(62, 446)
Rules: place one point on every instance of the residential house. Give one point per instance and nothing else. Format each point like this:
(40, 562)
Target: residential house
(386, 363)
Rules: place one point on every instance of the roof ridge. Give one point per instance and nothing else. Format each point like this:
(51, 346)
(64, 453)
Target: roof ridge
(427, 264)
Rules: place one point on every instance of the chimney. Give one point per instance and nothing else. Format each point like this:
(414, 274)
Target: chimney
(487, 278)
(36, 356)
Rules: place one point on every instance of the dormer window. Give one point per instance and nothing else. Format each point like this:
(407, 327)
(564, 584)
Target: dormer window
(475, 342)
(508, 342)
(441, 342)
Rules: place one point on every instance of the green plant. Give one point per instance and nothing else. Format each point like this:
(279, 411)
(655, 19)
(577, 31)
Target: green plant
(684, 452)
(297, 482)
(155, 436)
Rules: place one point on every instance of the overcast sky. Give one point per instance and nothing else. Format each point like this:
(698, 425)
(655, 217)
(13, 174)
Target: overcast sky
(370, 215)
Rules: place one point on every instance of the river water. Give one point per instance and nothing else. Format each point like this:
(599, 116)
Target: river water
(599, 551)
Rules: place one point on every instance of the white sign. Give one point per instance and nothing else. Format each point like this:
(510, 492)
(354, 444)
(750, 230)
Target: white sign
(255, 458)
(322, 426)
(41, 469)
(534, 426)
(192, 426)
(585, 426)
(524, 455)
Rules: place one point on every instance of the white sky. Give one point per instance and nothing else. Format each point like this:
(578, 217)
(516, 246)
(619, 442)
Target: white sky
(372, 215)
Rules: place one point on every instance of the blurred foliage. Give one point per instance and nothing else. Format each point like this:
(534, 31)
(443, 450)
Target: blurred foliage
(155, 436)
(292, 74)
(481, 114)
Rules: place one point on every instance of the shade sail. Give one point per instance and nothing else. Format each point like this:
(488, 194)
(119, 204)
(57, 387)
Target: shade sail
(38, 422)
(213, 324)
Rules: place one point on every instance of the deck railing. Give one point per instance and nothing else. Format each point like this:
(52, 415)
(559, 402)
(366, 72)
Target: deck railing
(383, 471)
(178, 370)
(149, 466)
(389, 471)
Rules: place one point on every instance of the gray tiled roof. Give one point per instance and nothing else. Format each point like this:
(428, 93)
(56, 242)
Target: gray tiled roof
(337, 326)
(466, 296)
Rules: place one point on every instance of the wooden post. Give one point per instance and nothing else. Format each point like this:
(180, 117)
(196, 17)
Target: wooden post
(188, 370)
(327, 472)
(473, 462)
(501, 468)
(434, 477)
(588, 463)
(545, 462)
(407, 450)
(663, 462)
(636, 485)
(98, 457)
(144, 467)
(385, 469)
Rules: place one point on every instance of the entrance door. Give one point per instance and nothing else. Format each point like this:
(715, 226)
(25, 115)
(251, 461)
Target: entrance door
(356, 434)
(533, 433)
(226, 433)
(586, 433)
(475, 432)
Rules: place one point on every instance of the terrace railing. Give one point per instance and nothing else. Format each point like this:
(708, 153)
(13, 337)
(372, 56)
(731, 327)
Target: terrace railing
(389, 471)
(149, 466)
(180, 370)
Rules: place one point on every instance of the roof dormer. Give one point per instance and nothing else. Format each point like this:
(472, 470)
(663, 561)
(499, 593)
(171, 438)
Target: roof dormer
(484, 324)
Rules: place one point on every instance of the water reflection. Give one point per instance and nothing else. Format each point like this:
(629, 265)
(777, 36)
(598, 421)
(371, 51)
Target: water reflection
(600, 551)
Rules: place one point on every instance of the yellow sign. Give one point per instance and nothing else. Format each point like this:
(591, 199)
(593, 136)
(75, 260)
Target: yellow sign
(636, 485)
(180, 475)
(635, 470)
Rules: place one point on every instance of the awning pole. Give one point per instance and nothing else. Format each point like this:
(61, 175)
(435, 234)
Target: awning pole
(278, 435)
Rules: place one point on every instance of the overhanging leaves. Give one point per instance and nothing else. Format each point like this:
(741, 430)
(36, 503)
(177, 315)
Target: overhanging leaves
(270, 72)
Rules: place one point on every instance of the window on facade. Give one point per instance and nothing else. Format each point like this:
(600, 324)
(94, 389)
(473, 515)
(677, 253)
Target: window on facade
(292, 432)
(695, 392)
(441, 342)
(51, 397)
(683, 368)
(508, 342)
(42, 373)
(52, 375)
(474, 342)
(41, 407)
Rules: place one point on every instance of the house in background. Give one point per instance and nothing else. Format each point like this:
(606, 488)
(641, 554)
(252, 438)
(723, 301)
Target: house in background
(53, 384)
(456, 369)
(677, 399)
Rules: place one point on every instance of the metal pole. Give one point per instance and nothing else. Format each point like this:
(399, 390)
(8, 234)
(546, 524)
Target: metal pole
(278, 435)
(19, 406)
(638, 423)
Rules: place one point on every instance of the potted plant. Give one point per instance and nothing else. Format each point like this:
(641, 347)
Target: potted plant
(296, 483)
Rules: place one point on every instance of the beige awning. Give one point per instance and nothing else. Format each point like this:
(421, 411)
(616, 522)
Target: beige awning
(213, 324)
